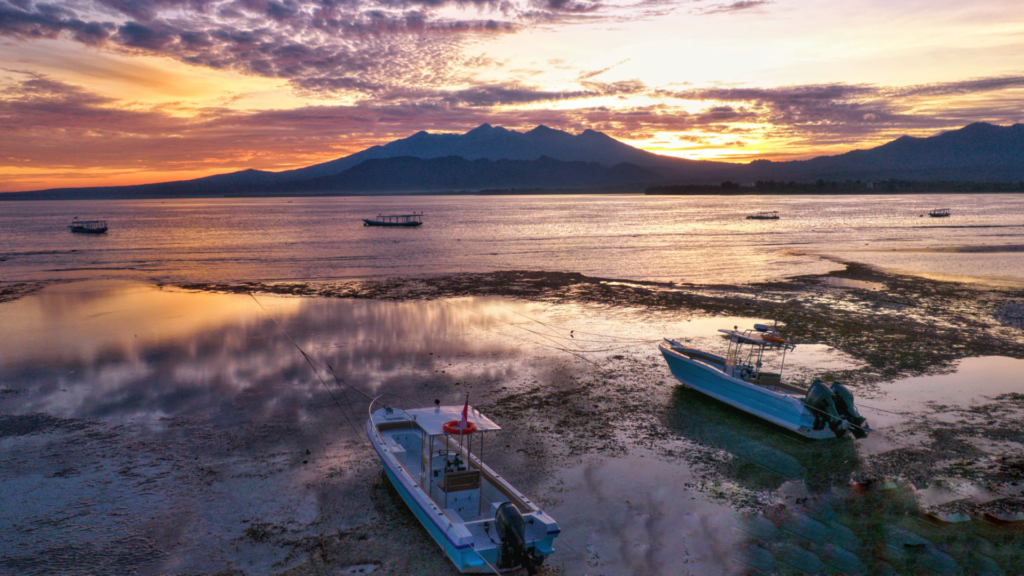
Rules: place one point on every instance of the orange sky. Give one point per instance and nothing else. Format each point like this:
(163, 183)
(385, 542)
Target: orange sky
(102, 92)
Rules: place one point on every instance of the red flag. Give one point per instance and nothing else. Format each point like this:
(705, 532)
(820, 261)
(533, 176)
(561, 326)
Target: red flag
(464, 423)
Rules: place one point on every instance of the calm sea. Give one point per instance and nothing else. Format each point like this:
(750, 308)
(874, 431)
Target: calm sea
(689, 239)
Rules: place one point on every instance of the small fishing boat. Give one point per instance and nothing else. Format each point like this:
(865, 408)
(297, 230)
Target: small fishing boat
(766, 215)
(483, 524)
(738, 379)
(408, 220)
(88, 226)
(939, 213)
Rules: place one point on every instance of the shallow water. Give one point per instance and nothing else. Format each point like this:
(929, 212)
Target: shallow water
(155, 430)
(703, 239)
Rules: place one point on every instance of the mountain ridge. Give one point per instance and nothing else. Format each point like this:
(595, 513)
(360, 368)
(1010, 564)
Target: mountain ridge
(979, 152)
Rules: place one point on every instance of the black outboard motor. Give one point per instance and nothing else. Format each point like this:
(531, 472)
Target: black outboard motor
(512, 531)
(843, 400)
(821, 398)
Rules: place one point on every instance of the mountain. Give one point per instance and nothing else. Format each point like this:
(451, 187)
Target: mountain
(497, 143)
(410, 174)
(978, 152)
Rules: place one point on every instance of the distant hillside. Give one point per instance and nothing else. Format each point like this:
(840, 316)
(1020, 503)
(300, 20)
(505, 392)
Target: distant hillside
(978, 152)
(404, 174)
(408, 174)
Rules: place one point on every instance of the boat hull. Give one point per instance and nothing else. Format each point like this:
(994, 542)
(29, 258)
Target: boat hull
(88, 230)
(779, 409)
(367, 222)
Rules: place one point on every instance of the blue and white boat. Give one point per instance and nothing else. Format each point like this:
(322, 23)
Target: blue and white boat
(739, 380)
(483, 523)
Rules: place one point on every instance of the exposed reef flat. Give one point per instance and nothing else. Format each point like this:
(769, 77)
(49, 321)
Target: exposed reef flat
(17, 290)
(896, 325)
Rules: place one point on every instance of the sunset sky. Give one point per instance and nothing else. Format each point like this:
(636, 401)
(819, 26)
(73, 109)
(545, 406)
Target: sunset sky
(102, 92)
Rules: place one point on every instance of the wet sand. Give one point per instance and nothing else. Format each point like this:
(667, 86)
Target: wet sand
(645, 476)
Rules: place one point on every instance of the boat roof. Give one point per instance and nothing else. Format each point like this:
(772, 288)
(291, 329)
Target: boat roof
(432, 420)
(744, 339)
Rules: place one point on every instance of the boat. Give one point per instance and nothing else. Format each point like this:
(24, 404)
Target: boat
(88, 226)
(414, 219)
(433, 458)
(765, 215)
(739, 380)
(939, 213)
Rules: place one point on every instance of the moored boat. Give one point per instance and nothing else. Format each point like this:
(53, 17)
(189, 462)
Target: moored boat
(765, 215)
(739, 379)
(480, 520)
(939, 213)
(407, 220)
(88, 226)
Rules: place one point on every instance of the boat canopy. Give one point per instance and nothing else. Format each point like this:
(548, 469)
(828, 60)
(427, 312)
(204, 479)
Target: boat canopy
(743, 338)
(432, 420)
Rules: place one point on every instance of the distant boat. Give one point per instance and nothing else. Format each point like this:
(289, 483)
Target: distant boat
(480, 520)
(772, 215)
(739, 379)
(88, 226)
(414, 219)
(939, 213)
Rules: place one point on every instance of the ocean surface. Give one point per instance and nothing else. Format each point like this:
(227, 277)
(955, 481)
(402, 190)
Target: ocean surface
(700, 239)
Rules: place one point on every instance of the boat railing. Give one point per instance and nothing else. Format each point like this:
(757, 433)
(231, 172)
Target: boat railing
(380, 402)
(89, 223)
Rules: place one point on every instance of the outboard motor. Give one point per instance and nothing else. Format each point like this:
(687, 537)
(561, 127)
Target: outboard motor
(843, 399)
(821, 398)
(512, 532)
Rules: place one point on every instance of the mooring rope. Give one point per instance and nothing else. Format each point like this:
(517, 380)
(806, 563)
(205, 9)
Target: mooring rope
(311, 363)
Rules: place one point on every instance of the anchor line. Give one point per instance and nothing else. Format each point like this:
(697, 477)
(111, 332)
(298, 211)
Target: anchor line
(554, 328)
(557, 345)
(311, 363)
(904, 414)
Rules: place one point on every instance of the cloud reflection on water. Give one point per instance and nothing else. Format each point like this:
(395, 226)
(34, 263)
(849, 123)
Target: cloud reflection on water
(118, 350)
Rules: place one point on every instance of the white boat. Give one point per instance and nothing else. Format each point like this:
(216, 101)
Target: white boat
(406, 220)
(88, 226)
(766, 215)
(483, 523)
(738, 379)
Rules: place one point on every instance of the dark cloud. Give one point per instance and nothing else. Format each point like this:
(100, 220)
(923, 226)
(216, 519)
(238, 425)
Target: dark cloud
(961, 87)
(496, 94)
(568, 6)
(318, 45)
(25, 21)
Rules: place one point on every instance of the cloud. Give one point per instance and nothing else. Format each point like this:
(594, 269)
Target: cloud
(588, 75)
(318, 45)
(50, 125)
(733, 7)
(498, 94)
(27, 22)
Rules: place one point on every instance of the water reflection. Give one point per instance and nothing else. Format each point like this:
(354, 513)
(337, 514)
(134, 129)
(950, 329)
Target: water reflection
(113, 350)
